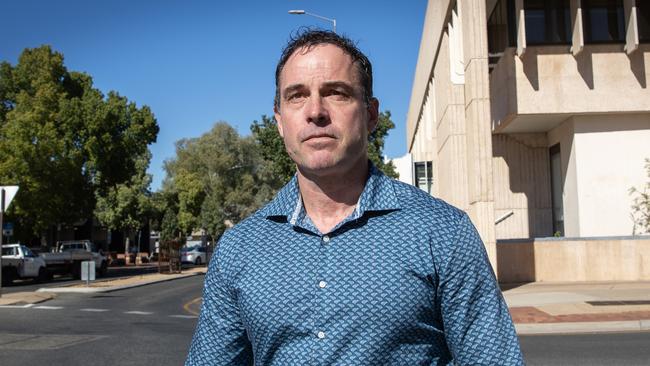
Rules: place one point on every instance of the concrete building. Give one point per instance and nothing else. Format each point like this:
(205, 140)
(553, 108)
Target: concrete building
(534, 117)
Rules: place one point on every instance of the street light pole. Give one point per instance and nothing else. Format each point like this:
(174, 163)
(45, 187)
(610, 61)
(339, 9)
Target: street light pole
(301, 12)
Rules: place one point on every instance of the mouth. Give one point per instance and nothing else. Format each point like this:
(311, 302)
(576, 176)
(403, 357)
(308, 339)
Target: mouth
(318, 137)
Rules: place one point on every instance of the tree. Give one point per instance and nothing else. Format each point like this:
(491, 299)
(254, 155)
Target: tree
(270, 145)
(376, 142)
(215, 180)
(128, 205)
(63, 141)
(641, 205)
(271, 148)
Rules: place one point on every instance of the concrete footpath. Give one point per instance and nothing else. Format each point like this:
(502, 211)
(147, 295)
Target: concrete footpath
(536, 308)
(22, 299)
(546, 308)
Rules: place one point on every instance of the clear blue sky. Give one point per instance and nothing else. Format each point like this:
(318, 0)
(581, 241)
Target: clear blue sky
(198, 62)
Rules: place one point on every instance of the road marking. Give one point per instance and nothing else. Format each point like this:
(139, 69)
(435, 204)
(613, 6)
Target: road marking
(184, 316)
(26, 306)
(192, 302)
(48, 307)
(138, 312)
(94, 310)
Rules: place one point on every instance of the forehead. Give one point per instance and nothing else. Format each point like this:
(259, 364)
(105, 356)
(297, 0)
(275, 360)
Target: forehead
(325, 61)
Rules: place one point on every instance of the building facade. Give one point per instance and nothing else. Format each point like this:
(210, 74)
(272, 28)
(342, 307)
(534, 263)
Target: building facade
(535, 115)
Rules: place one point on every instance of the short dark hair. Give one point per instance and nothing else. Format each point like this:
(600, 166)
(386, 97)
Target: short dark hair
(308, 38)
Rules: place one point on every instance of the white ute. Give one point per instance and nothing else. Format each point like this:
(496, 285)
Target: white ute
(68, 255)
(19, 262)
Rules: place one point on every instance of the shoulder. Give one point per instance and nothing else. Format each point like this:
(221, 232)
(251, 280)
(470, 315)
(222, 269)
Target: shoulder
(422, 207)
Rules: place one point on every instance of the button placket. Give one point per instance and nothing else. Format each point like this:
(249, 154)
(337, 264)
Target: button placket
(321, 284)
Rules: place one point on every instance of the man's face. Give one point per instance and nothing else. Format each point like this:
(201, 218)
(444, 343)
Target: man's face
(322, 115)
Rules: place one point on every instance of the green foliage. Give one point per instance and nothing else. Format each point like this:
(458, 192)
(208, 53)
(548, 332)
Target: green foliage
(127, 205)
(270, 145)
(641, 205)
(65, 144)
(376, 142)
(215, 180)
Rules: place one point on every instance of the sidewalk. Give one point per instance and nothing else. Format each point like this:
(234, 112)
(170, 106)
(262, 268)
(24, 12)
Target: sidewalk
(108, 285)
(543, 308)
(536, 308)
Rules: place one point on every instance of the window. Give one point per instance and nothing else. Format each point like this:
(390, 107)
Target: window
(423, 175)
(502, 32)
(643, 19)
(547, 21)
(556, 190)
(604, 21)
(11, 251)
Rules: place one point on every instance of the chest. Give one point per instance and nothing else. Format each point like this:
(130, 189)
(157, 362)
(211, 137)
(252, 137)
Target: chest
(369, 276)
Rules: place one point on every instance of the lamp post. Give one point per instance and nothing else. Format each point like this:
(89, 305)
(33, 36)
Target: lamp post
(301, 12)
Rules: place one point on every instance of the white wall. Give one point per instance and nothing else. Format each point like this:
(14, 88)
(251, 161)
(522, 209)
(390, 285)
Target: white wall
(610, 153)
(404, 167)
(603, 156)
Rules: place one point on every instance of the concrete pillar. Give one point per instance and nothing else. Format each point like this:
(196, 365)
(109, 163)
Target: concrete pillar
(477, 121)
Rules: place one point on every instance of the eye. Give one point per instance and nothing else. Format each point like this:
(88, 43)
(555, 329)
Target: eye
(338, 95)
(296, 97)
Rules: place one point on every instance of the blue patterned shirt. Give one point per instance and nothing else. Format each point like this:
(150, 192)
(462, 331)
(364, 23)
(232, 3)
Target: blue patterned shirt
(404, 280)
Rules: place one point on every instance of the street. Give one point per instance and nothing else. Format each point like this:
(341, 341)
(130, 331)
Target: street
(154, 324)
(627, 349)
(140, 326)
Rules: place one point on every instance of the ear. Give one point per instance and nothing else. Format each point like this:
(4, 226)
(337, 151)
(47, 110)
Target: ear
(373, 114)
(278, 119)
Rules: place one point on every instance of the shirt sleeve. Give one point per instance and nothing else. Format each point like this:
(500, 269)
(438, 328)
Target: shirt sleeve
(478, 327)
(220, 337)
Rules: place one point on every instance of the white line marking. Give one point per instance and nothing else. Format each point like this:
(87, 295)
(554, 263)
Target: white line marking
(95, 310)
(26, 306)
(184, 316)
(48, 307)
(138, 312)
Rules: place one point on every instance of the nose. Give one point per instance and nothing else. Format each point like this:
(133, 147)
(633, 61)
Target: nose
(317, 111)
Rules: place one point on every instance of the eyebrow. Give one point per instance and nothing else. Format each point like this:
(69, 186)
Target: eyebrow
(339, 84)
(328, 84)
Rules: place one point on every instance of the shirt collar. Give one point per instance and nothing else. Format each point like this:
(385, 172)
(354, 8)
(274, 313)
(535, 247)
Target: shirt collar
(378, 195)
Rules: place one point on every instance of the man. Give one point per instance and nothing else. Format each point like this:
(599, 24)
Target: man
(346, 266)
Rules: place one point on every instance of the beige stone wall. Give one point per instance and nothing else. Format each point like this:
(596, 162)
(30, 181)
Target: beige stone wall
(522, 185)
(448, 116)
(607, 259)
(549, 80)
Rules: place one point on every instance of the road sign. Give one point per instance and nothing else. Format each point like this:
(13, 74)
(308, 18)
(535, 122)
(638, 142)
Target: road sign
(10, 193)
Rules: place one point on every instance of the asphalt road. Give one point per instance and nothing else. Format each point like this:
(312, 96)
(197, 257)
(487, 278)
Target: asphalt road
(148, 325)
(153, 325)
(628, 349)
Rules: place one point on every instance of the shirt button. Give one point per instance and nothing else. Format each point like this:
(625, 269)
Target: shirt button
(320, 335)
(322, 284)
(326, 239)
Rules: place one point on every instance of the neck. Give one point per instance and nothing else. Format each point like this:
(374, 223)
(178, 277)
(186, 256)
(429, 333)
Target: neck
(329, 199)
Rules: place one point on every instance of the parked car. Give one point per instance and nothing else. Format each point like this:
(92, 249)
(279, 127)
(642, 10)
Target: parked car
(195, 255)
(19, 262)
(68, 256)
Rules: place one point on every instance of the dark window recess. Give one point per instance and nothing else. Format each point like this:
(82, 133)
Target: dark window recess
(547, 22)
(424, 175)
(557, 190)
(501, 30)
(604, 21)
(643, 19)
